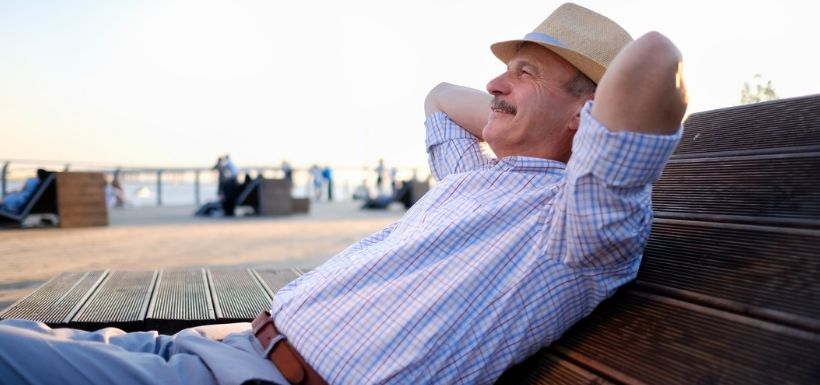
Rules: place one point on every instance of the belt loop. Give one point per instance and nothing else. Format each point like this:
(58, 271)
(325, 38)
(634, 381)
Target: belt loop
(262, 319)
(279, 338)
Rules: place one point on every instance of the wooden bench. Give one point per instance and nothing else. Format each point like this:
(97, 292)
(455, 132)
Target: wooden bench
(272, 197)
(729, 287)
(76, 198)
(728, 291)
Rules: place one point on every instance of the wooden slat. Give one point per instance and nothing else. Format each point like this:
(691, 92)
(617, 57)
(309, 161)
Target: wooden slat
(94, 189)
(275, 197)
(81, 199)
(181, 299)
(237, 295)
(120, 301)
(782, 189)
(783, 125)
(300, 205)
(274, 279)
(757, 266)
(57, 300)
(663, 341)
(545, 368)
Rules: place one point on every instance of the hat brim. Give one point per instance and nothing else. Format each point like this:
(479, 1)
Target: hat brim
(505, 51)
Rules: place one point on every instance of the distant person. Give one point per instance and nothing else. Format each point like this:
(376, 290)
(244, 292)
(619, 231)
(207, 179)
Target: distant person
(233, 172)
(318, 180)
(287, 170)
(394, 172)
(228, 186)
(116, 195)
(380, 170)
(14, 201)
(327, 175)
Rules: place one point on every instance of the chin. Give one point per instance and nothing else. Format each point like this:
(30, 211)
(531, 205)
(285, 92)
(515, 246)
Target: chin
(491, 132)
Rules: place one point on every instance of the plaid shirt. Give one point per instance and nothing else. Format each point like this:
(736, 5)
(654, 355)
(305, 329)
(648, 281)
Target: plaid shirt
(493, 263)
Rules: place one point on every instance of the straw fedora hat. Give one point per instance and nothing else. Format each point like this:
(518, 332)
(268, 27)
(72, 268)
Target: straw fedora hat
(586, 39)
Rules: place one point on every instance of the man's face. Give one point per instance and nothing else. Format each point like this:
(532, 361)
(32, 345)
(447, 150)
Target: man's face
(532, 114)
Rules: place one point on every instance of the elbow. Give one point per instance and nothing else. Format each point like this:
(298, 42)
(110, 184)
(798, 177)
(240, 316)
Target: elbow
(656, 42)
(432, 103)
(665, 58)
(650, 71)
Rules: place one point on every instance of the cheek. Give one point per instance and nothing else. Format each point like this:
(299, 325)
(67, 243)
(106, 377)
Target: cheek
(553, 108)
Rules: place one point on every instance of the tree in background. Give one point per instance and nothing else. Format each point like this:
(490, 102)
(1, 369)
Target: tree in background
(757, 91)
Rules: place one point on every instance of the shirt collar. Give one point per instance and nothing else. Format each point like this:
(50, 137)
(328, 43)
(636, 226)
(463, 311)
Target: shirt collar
(528, 164)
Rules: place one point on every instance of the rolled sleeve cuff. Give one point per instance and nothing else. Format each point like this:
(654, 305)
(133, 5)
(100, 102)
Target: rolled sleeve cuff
(440, 128)
(622, 159)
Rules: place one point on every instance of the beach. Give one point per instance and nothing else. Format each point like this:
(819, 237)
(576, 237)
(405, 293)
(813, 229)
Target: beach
(147, 238)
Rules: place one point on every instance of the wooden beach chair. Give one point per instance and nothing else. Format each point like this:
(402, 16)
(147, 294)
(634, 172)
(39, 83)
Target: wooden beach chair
(408, 194)
(728, 291)
(77, 199)
(249, 196)
(266, 197)
(271, 197)
(42, 201)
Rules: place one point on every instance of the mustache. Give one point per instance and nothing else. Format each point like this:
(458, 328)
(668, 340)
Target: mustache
(503, 106)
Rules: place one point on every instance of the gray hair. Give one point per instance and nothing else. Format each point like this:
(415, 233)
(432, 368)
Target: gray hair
(580, 86)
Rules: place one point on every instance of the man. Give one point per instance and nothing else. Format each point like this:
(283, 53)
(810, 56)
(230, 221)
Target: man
(502, 256)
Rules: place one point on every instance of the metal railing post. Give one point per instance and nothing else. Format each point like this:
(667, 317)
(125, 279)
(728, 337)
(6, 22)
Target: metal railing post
(159, 187)
(4, 176)
(196, 187)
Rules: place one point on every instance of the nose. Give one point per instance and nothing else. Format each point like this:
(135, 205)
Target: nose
(499, 86)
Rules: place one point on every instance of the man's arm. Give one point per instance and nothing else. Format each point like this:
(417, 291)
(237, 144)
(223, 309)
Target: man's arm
(468, 107)
(643, 89)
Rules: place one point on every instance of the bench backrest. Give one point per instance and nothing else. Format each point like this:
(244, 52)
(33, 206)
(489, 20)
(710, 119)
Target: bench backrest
(729, 288)
(81, 199)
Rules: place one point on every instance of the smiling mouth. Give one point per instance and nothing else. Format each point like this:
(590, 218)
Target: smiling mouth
(502, 106)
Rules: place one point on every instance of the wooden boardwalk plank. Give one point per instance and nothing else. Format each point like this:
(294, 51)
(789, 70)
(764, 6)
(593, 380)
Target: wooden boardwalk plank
(57, 300)
(237, 294)
(274, 279)
(181, 299)
(120, 301)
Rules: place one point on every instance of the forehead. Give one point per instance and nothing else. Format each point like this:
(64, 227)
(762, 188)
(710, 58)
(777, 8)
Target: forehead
(535, 54)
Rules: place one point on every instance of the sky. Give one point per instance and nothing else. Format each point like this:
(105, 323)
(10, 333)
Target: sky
(177, 83)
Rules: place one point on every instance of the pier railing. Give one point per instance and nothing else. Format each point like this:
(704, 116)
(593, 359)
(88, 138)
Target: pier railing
(144, 186)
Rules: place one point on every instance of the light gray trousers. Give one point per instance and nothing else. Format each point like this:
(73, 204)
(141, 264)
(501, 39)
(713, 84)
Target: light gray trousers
(33, 353)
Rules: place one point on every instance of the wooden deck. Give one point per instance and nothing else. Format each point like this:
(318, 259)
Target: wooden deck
(163, 300)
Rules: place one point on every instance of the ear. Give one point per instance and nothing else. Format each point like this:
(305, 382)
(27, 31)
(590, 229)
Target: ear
(575, 121)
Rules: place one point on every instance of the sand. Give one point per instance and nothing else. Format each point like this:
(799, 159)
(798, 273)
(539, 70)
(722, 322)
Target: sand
(170, 237)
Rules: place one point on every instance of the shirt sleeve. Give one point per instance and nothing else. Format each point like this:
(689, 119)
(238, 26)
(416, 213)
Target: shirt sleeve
(605, 211)
(450, 148)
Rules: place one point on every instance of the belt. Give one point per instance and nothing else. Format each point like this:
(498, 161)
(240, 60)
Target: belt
(283, 355)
